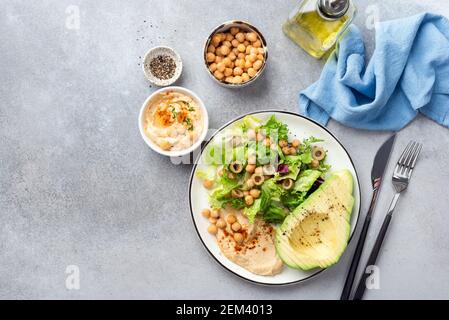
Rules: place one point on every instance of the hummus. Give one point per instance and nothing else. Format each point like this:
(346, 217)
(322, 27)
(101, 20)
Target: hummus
(173, 121)
(257, 252)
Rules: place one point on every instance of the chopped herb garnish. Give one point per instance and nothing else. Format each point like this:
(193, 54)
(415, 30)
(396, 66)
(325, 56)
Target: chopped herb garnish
(174, 112)
(189, 124)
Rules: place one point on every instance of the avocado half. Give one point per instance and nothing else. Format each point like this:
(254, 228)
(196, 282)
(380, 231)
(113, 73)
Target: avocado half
(316, 233)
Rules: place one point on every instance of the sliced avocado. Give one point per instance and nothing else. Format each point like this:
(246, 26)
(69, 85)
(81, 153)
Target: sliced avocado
(316, 233)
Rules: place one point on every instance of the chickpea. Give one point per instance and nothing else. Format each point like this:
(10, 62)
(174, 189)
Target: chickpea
(296, 143)
(251, 36)
(221, 66)
(248, 49)
(252, 57)
(240, 63)
(231, 175)
(254, 51)
(246, 43)
(236, 226)
(229, 79)
(213, 67)
(249, 200)
(222, 36)
(231, 219)
(205, 213)
(215, 213)
(249, 183)
(238, 71)
(235, 43)
(238, 237)
(241, 55)
(248, 64)
(240, 37)
(315, 163)
(283, 143)
(258, 170)
(232, 65)
(245, 193)
(257, 44)
(260, 136)
(251, 136)
(251, 72)
(212, 229)
(292, 150)
(257, 65)
(260, 57)
(228, 72)
(208, 184)
(232, 56)
(221, 224)
(245, 77)
(234, 30)
(237, 80)
(218, 59)
(211, 48)
(255, 193)
(219, 75)
(250, 168)
(241, 48)
(229, 37)
(286, 150)
(213, 220)
(210, 57)
(216, 39)
(224, 50)
(227, 43)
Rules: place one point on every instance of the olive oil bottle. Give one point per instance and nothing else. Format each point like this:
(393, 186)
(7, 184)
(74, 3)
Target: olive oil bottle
(316, 25)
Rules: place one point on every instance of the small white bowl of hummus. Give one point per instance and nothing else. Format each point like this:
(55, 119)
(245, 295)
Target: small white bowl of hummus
(173, 121)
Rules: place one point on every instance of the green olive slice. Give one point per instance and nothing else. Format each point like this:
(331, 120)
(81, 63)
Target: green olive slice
(318, 153)
(236, 167)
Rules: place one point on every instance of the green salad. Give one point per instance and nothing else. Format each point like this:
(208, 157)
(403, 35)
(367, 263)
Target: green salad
(256, 167)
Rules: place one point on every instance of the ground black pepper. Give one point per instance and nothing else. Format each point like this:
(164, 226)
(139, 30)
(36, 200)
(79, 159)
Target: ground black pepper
(162, 67)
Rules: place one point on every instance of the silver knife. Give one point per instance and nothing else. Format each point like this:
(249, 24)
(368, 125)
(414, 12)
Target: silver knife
(377, 172)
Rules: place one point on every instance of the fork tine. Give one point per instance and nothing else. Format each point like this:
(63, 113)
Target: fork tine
(412, 154)
(404, 154)
(406, 162)
(418, 150)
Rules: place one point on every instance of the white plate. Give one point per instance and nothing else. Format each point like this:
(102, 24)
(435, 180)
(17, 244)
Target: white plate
(301, 127)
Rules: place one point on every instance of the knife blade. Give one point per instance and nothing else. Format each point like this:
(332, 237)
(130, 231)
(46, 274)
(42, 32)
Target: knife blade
(377, 172)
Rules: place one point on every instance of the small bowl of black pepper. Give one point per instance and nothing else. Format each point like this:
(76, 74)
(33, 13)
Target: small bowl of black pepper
(162, 66)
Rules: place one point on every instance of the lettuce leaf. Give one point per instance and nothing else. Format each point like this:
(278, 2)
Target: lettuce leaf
(275, 213)
(306, 180)
(294, 167)
(275, 128)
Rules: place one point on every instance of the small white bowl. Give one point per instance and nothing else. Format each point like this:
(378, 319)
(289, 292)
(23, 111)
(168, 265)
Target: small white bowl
(153, 145)
(153, 53)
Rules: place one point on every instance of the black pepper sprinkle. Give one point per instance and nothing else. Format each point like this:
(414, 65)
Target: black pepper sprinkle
(162, 67)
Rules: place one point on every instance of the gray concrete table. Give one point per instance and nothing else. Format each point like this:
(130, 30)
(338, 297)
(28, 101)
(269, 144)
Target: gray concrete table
(78, 186)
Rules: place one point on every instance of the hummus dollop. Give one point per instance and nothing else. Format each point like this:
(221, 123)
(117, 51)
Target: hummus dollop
(173, 121)
(257, 253)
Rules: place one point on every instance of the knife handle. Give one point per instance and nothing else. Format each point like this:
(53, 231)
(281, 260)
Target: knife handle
(359, 249)
(358, 295)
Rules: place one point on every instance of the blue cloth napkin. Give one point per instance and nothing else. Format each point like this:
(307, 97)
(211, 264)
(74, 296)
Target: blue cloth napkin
(408, 73)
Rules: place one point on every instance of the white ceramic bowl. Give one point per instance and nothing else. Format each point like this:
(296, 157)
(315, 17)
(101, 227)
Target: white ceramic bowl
(153, 53)
(153, 145)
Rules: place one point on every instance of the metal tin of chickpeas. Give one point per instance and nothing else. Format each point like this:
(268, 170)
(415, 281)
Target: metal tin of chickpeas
(235, 54)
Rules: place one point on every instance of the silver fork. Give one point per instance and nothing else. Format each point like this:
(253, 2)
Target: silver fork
(401, 178)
